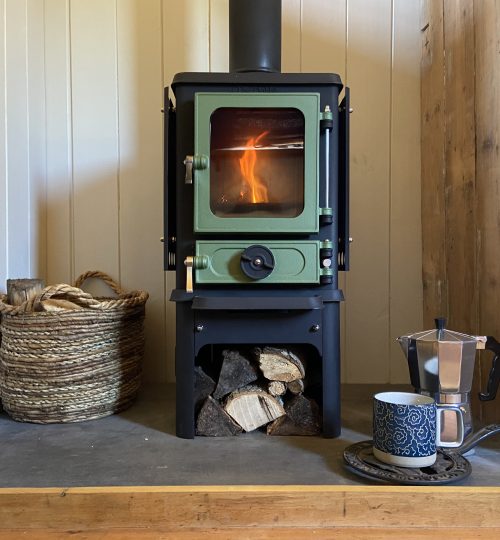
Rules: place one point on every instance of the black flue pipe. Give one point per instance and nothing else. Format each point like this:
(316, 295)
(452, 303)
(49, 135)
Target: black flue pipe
(255, 35)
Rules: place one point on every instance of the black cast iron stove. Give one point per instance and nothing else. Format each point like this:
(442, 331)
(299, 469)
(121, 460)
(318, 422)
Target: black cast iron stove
(256, 210)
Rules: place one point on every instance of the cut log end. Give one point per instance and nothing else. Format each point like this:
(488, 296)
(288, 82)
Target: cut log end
(21, 290)
(279, 364)
(213, 421)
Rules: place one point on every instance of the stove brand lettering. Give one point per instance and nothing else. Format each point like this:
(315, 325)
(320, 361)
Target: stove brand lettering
(245, 89)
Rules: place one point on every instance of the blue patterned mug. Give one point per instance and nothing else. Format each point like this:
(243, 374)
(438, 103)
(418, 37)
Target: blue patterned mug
(406, 429)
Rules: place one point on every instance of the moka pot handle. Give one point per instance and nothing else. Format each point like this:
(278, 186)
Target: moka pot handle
(494, 377)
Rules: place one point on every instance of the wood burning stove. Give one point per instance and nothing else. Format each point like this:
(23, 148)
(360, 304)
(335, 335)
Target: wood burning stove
(256, 203)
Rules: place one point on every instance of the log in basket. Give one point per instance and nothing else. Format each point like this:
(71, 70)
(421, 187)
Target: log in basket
(66, 356)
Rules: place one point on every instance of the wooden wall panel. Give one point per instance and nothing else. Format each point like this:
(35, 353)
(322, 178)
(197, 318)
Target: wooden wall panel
(101, 75)
(461, 231)
(369, 76)
(405, 266)
(17, 135)
(94, 96)
(186, 31)
(4, 272)
(37, 144)
(435, 284)
(140, 83)
(487, 114)
(59, 179)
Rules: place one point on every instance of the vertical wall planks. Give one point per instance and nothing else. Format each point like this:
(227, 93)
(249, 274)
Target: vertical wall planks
(37, 138)
(59, 142)
(140, 83)
(433, 163)
(3, 153)
(369, 76)
(487, 110)
(185, 48)
(95, 136)
(405, 226)
(460, 163)
(17, 134)
(219, 35)
(291, 36)
(324, 36)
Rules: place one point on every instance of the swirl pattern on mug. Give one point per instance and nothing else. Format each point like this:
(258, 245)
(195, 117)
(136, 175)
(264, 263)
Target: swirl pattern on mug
(404, 430)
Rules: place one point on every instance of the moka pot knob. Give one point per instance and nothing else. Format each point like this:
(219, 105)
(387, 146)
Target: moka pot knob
(257, 262)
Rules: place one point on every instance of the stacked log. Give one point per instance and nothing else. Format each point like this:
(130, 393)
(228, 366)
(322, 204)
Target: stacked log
(263, 388)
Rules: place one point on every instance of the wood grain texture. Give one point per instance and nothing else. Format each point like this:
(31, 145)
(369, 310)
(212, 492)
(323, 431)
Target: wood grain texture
(254, 533)
(487, 114)
(435, 285)
(203, 508)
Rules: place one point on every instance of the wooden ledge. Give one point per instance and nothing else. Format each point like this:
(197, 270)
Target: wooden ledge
(211, 510)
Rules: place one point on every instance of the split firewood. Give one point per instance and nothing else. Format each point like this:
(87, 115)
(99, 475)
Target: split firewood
(252, 407)
(203, 386)
(296, 386)
(20, 290)
(236, 371)
(302, 418)
(213, 421)
(58, 304)
(279, 364)
(276, 388)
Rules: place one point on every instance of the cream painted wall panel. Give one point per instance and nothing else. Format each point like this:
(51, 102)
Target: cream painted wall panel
(59, 143)
(405, 227)
(324, 36)
(185, 48)
(3, 153)
(94, 97)
(369, 76)
(140, 83)
(291, 36)
(219, 35)
(17, 134)
(324, 45)
(37, 138)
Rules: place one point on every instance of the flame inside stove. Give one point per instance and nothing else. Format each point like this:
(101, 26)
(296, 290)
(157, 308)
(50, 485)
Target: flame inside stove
(257, 188)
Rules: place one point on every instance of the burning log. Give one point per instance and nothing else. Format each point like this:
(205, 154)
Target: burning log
(279, 364)
(252, 407)
(213, 421)
(236, 372)
(302, 418)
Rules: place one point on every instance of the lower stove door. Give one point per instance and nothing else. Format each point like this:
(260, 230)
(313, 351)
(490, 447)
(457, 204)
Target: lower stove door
(259, 262)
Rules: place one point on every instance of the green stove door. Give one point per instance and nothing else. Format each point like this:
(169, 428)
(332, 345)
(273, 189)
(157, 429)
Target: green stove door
(256, 162)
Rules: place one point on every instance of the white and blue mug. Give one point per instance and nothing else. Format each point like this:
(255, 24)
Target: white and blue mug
(406, 429)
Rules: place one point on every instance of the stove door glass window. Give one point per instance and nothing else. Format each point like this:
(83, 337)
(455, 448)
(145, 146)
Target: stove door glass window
(257, 162)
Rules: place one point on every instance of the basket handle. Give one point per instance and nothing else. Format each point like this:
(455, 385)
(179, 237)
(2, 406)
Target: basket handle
(103, 277)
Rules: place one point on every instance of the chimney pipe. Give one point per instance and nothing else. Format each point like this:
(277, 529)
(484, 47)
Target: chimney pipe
(255, 35)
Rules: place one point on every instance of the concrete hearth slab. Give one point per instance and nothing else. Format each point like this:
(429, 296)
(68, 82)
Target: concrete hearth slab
(139, 448)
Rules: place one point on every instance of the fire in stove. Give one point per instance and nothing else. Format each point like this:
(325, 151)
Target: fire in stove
(258, 190)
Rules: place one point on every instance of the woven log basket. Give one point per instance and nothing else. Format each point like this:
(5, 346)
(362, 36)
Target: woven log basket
(66, 356)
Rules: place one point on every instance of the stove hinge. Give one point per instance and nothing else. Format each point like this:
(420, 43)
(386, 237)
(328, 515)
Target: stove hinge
(326, 126)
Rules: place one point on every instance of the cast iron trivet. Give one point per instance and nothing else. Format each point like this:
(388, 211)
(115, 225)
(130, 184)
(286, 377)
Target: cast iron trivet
(449, 467)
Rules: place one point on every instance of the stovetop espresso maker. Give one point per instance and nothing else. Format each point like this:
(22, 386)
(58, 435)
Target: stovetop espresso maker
(441, 365)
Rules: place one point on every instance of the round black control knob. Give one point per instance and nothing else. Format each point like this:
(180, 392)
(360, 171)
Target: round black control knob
(257, 262)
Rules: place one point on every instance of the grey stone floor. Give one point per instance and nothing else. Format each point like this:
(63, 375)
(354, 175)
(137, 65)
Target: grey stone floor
(139, 447)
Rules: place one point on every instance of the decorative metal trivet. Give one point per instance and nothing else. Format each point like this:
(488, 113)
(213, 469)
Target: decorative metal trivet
(449, 467)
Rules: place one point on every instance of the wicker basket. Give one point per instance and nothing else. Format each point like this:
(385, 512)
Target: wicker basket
(80, 361)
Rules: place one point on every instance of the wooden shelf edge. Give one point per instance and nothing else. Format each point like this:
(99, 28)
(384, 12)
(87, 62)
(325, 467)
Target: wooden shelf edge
(220, 507)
